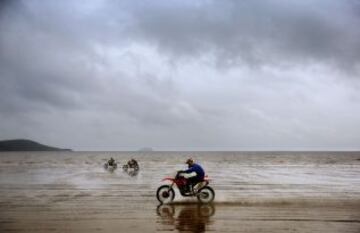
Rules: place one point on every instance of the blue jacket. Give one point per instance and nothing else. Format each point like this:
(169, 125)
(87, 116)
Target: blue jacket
(197, 169)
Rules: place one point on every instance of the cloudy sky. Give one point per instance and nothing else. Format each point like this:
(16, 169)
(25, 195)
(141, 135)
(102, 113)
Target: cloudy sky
(181, 75)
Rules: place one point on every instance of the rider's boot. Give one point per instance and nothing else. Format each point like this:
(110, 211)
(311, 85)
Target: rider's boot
(198, 186)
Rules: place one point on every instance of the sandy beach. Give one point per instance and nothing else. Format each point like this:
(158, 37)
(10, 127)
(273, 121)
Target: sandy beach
(255, 192)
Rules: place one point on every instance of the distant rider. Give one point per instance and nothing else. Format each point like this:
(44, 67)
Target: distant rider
(111, 162)
(194, 174)
(132, 163)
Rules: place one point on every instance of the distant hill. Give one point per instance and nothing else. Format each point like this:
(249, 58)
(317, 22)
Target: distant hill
(26, 145)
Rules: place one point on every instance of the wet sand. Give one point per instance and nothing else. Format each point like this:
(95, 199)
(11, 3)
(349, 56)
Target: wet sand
(255, 192)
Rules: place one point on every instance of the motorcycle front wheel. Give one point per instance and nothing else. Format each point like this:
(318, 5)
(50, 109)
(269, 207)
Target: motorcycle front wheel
(165, 194)
(206, 195)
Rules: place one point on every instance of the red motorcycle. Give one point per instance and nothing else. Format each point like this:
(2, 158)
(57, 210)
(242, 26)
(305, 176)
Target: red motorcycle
(202, 191)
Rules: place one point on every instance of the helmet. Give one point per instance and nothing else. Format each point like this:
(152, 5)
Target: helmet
(189, 161)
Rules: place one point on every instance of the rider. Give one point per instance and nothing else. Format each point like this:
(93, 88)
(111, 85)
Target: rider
(194, 174)
(111, 161)
(132, 163)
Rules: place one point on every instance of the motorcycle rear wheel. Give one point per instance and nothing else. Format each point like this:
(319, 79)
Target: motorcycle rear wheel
(165, 194)
(206, 195)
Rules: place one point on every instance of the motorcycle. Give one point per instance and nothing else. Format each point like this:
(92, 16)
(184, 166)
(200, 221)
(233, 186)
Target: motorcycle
(132, 165)
(131, 171)
(110, 167)
(126, 167)
(202, 191)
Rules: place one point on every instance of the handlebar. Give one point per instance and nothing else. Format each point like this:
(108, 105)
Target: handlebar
(178, 173)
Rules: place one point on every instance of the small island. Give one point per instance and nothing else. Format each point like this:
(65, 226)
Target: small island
(26, 145)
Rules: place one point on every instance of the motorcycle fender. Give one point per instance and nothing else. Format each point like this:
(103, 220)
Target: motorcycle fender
(206, 178)
(168, 179)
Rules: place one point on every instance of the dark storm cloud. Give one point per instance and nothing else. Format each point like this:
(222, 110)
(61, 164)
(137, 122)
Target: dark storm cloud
(48, 60)
(253, 32)
(236, 32)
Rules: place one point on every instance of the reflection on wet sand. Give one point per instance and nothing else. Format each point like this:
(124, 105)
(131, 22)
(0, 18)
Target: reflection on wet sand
(279, 218)
(185, 217)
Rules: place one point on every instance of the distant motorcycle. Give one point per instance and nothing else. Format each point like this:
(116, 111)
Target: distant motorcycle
(131, 164)
(166, 194)
(110, 166)
(126, 167)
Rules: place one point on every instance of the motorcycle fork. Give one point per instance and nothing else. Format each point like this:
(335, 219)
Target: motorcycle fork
(171, 186)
